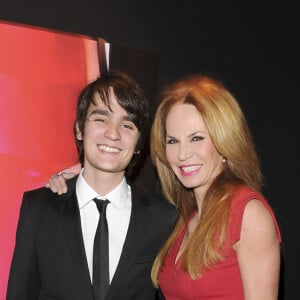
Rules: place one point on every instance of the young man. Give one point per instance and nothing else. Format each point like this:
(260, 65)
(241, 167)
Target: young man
(53, 256)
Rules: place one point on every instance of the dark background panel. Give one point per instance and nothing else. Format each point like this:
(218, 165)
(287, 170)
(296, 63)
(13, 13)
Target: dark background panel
(142, 65)
(250, 45)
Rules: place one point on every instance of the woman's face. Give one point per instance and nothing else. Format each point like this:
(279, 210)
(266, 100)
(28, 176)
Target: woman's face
(189, 148)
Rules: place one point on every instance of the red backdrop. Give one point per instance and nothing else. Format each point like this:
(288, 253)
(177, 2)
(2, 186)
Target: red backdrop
(41, 74)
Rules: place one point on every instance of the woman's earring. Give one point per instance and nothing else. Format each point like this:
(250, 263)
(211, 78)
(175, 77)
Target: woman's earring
(137, 152)
(224, 160)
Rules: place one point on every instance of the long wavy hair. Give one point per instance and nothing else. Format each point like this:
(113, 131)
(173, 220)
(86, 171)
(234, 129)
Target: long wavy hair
(232, 138)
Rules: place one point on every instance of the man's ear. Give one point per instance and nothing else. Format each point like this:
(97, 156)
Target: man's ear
(78, 132)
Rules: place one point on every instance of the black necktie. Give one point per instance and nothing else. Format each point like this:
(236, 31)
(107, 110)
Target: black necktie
(100, 254)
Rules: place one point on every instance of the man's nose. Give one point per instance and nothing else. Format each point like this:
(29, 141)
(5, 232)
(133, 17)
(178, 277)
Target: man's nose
(112, 131)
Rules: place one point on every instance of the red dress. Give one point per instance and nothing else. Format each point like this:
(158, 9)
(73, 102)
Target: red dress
(224, 280)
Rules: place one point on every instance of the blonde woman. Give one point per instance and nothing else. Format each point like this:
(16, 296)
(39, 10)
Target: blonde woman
(226, 244)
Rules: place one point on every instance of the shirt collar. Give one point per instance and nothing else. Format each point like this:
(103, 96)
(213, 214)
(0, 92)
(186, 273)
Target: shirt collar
(118, 196)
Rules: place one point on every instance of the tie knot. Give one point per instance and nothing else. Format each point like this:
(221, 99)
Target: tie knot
(101, 205)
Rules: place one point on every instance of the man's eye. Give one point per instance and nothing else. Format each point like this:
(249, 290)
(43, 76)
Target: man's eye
(99, 120)
(128, 126)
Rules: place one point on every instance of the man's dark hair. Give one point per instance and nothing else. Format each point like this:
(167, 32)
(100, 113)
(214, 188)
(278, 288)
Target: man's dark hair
(129, 96)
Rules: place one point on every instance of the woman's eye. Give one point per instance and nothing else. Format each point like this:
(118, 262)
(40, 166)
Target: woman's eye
(171, 141)
(197, 138)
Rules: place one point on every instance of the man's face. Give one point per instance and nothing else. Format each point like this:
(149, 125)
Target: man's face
(109, 138)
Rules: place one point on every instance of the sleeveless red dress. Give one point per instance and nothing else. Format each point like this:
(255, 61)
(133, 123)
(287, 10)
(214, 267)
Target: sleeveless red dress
(223, 282)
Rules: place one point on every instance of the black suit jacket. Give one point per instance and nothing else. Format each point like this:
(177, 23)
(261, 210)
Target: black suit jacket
(49, 260)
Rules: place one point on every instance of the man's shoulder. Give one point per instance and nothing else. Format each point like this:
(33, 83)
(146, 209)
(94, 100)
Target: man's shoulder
(44, 196)
(71, 183)
(41, 192)
(38, 202)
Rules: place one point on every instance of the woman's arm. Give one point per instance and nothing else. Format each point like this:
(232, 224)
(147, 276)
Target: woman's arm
(258, 252)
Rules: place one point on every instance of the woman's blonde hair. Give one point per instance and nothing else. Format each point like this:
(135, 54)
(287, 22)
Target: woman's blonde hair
(231, 136)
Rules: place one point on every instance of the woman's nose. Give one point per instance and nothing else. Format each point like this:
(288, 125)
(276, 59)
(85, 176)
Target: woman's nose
(184, 152)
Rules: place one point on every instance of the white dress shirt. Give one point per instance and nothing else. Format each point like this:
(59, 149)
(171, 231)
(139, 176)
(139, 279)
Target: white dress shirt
(118, 215)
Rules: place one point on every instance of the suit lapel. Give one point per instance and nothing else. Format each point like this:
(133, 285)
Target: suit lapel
(70, 219)
(137, 231)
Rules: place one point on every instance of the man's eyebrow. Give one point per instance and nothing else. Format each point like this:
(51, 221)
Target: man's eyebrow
(128, 118)
(107, 112)
(99, 111)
